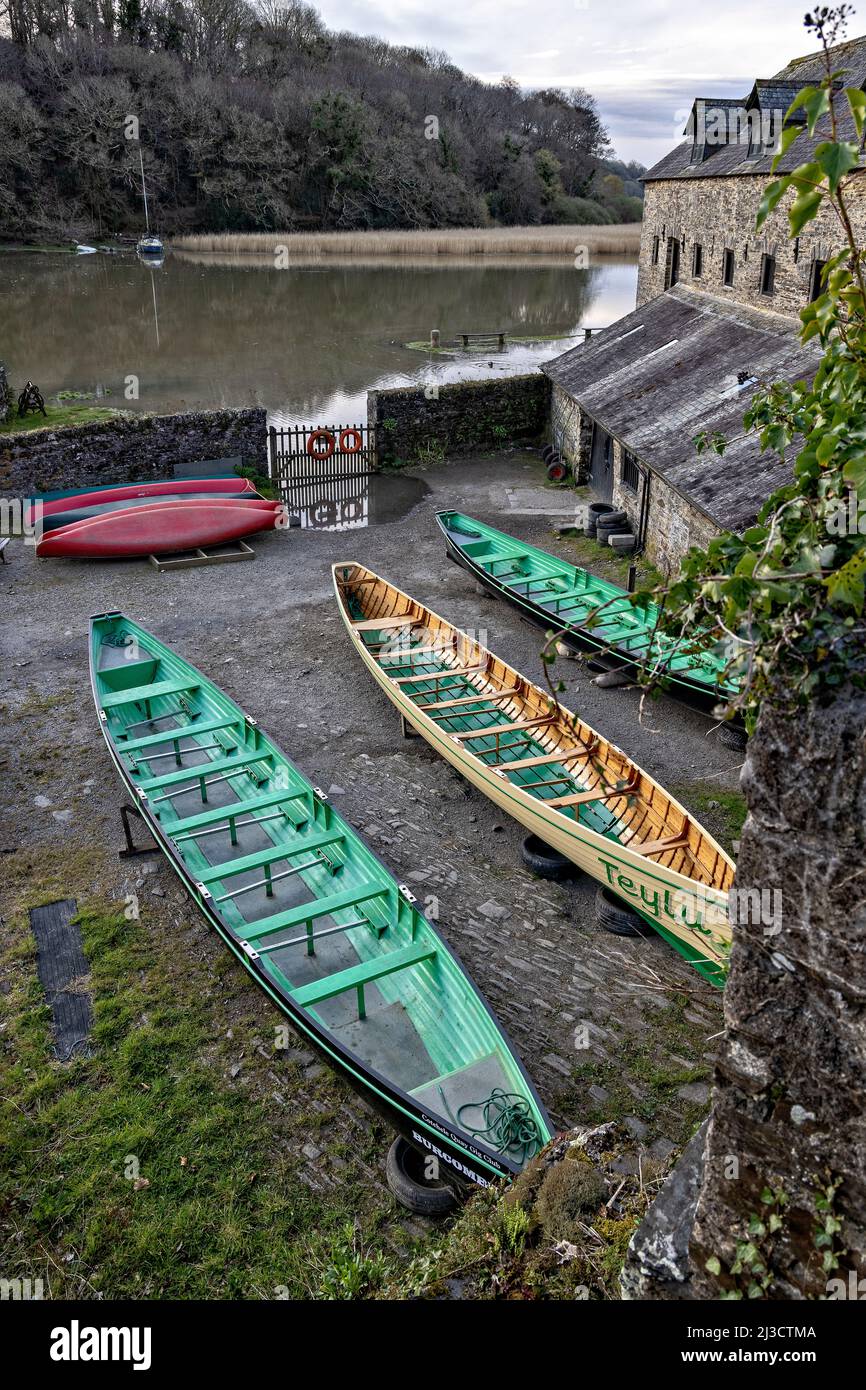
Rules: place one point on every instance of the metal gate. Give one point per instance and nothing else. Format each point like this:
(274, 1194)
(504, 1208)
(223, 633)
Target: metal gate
(322, 472)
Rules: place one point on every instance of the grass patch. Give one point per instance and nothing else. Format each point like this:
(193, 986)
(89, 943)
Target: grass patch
(723, 810)
(141, 1171)
(57, 416)
(604, 562)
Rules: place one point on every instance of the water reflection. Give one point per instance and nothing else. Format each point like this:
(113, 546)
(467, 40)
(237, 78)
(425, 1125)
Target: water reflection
(307, 342)
(353, 502)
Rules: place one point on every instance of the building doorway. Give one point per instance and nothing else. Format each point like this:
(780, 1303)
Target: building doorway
(601, 463)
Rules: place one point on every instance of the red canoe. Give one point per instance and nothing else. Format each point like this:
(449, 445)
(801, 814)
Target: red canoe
(162, 528)
(163, 487)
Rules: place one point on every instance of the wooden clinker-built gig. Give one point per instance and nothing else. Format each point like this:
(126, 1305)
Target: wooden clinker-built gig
(558, 777)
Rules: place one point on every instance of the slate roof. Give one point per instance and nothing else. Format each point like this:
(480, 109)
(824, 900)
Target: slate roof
(769, 94)
(659, 376)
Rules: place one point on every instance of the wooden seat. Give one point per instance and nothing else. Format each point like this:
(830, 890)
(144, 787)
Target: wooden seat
(140, 693)
(357, 976)
(677, 841)
(546, 758)
(186, 829)
(607, 793)
(374, 624)
(316, 907)
(191, 774)
(217, 872)
(496, 729)
(441, 675)
(472, 699)
(181, 731)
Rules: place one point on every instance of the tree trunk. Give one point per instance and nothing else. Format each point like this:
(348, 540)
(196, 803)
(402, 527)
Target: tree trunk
(787, 1135)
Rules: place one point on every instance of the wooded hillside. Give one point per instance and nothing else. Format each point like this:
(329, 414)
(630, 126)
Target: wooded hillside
(253, 116)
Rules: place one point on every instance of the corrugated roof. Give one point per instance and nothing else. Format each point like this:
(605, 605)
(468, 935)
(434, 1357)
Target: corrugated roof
(774, 93)
(661, 375)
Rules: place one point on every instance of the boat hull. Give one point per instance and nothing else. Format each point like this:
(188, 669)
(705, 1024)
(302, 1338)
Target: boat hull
(120, 492)
(691, 917)
(160, 529)
(578, 639)
(465, 1163)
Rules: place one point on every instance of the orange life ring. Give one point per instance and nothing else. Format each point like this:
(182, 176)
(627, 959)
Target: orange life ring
(330, 444)
(357, 436)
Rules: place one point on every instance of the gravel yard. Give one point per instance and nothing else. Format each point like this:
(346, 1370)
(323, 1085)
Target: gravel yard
(608, 1027)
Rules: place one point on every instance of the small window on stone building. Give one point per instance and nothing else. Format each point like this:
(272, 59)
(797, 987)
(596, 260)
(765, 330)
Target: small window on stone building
(768, 274)
(727, 266)
(816, 286)
(655, 250)
(697, 260)
(630, 475)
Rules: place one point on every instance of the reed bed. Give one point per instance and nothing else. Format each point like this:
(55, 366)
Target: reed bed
(618, 240)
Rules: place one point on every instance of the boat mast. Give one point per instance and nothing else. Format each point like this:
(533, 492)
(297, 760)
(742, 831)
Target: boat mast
(144, 192)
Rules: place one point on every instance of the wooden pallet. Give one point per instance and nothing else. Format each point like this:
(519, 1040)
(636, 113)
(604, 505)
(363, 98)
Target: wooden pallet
(213, 555)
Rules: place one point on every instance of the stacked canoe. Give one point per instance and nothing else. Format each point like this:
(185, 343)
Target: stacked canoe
(151, 518)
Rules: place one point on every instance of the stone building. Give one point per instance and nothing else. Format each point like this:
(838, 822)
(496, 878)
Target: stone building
(717, 307)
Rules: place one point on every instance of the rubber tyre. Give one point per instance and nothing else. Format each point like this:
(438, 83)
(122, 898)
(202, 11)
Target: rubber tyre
(549, 452)
(545, 862)
(598, 509)
(733, 736)
(404, 1168)
(556, 471)
(617, 919)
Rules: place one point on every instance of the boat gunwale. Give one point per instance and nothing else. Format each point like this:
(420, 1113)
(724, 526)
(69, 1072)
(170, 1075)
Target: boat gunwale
(367, 1076)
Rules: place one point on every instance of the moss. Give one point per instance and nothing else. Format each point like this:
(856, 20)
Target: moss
(571, 1189)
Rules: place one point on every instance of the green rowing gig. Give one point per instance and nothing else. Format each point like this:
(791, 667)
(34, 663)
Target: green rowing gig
(541, 764)
(310, 911)
(566, 599)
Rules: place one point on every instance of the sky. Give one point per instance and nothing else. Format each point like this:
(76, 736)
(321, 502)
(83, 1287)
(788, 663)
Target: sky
(643, 60)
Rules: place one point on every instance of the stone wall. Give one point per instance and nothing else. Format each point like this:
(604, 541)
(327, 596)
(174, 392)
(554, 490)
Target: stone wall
(787, 1130)
(673, 523)
(128, 448)
(468, 417)
(719, 213)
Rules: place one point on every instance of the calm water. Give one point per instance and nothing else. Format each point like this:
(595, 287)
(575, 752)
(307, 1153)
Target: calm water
(306, 343)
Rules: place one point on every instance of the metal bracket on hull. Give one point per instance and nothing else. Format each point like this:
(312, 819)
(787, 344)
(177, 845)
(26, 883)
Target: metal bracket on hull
(131, 851)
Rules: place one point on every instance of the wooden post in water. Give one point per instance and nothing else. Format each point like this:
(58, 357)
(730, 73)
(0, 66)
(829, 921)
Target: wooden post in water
(434, 337)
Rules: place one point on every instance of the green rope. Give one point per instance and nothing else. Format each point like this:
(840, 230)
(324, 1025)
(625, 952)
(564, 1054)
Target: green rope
(509, 1126)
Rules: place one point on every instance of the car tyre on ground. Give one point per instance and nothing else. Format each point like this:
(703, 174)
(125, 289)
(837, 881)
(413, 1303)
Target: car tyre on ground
(404, 1169)
(544, 861)
(612, 914)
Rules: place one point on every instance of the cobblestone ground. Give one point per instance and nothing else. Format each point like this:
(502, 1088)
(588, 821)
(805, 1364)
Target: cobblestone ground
(608, 1027)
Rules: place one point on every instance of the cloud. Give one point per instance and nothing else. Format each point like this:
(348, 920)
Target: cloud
(644, 60)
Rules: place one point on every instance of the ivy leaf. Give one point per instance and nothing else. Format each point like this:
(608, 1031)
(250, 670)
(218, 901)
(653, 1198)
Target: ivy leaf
(854, 472)
(803, 209)
(846, 585)
(815, 101)
(857, 102)
(836, 160)
(786, 140)
(770, 199)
